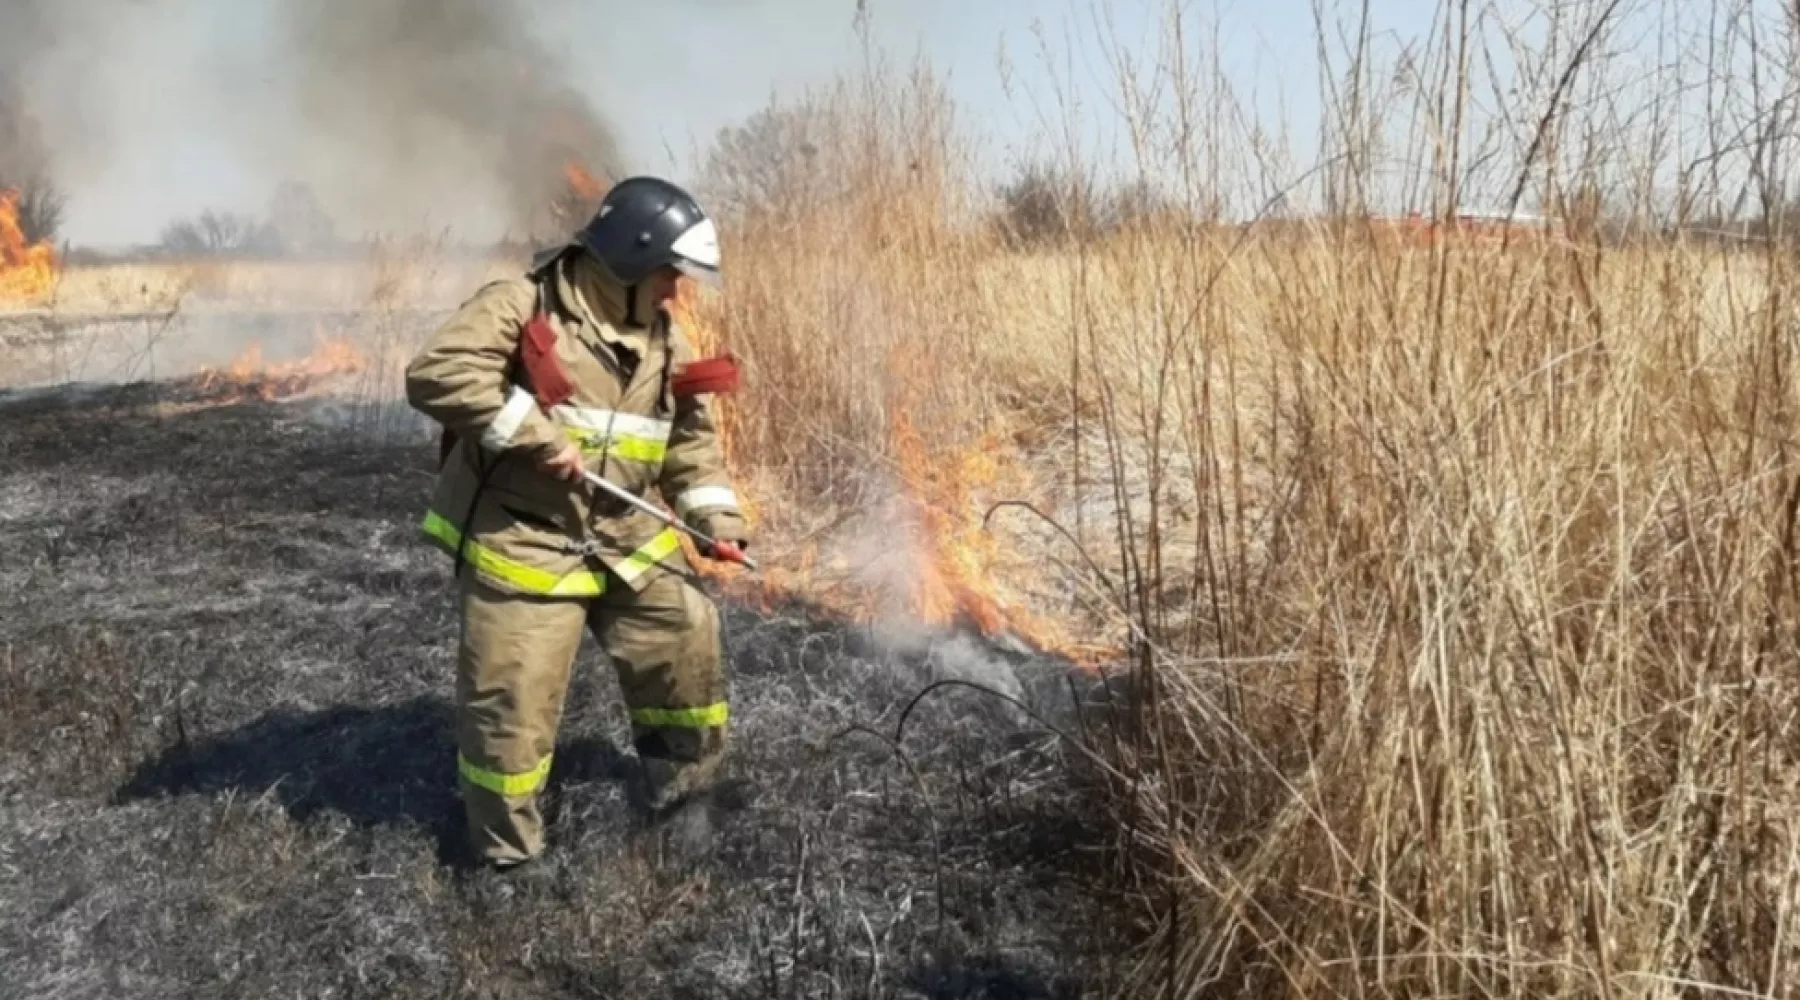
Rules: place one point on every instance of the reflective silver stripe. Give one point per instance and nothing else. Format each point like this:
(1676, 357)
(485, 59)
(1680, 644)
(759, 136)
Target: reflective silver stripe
(705, 496)
(500, 433)
(619, 424)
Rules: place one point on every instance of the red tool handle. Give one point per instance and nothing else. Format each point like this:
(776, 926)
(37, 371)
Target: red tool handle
(707, 375)
(537, 349)
(725, 551)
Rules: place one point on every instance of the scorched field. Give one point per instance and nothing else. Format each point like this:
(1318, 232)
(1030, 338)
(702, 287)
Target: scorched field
(1216, 588)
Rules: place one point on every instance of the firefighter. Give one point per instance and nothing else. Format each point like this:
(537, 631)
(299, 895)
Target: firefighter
(575, 366)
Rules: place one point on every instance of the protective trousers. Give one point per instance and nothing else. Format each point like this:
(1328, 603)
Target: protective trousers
(513, 671)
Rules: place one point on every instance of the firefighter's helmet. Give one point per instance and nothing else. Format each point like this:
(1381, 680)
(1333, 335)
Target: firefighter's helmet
(646, 223)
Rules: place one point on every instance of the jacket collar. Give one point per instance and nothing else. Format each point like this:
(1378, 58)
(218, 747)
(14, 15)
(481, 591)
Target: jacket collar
(599, 302)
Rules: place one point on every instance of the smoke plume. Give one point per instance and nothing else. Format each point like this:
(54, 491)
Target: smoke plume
(401, 115)
(447, 96)
(23, 158)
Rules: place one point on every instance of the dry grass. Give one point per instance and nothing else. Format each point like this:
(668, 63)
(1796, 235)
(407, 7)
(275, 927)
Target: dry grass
(1456, 580)
(1484, 685)
(1458, 577)
(1468, 572)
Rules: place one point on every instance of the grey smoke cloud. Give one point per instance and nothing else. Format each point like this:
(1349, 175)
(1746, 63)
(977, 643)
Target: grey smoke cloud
(448, 97)
(409, 115)
(401, 114)
(23, 156)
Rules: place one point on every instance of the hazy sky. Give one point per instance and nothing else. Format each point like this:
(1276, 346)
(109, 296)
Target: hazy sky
(156, 98)
(161, 91)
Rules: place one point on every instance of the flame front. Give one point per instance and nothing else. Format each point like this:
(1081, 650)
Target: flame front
(27, 270)
(961, 566)
(249, 377)
(954, 576)
(948, 581)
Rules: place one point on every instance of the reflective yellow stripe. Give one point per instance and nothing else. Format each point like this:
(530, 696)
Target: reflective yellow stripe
(510, 785)
(589, 442)
(653, 551)
(580, 583)
(634, 449)
(631, 449)
(634, 438)
(684, 718)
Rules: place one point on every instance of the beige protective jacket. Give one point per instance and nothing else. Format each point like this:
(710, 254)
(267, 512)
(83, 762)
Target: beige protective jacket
(520, 528)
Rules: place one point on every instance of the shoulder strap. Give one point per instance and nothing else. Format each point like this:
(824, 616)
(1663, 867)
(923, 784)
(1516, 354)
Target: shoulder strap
(537, 354)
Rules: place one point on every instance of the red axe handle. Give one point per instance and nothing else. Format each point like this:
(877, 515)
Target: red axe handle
(537, 348)
(707, 375)
(725, 551)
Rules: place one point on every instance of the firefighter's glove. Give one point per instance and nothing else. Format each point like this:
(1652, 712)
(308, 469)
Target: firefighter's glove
(727, 527)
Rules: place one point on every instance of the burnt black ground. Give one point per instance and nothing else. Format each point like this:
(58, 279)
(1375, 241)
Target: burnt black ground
(225, 761)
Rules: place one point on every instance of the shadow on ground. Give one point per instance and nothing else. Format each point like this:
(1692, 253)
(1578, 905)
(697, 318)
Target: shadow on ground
(988, 978)
(389, 765)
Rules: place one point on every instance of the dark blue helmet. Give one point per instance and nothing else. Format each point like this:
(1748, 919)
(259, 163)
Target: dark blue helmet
(646, 223)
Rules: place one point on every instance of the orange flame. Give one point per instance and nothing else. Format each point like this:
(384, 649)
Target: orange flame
(583, 184)
(948, 582)
(954, 579)
(961, 564)
(249, 377)
(27, 270)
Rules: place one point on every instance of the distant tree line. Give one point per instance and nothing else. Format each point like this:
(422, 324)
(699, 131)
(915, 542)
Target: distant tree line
(1044, 206)
(296, 225)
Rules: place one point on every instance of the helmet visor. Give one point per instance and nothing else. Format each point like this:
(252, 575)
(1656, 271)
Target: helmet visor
(695, 253)
(708, 276)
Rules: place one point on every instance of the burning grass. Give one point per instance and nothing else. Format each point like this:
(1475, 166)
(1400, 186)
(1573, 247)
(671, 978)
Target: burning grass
(27, 270)
(1454, 578)
(250, 376)
(1457, 575)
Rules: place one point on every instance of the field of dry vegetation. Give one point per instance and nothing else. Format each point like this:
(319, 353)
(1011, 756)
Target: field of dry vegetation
(1457, 577)
(1451, 583)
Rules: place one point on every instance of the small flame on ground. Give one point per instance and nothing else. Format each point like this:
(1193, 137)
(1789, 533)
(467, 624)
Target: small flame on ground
(250, 377)
(27, 270)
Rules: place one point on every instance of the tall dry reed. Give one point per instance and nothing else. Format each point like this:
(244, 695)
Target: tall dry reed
(1457, 575)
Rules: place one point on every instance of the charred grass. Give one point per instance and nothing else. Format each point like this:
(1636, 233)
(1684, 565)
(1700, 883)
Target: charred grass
(226, 764)
(1457, 577)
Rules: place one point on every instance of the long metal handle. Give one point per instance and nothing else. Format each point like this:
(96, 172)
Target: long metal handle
(723, 551)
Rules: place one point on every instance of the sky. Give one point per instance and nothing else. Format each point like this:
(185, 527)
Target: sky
(160, 131)
(154, 137)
